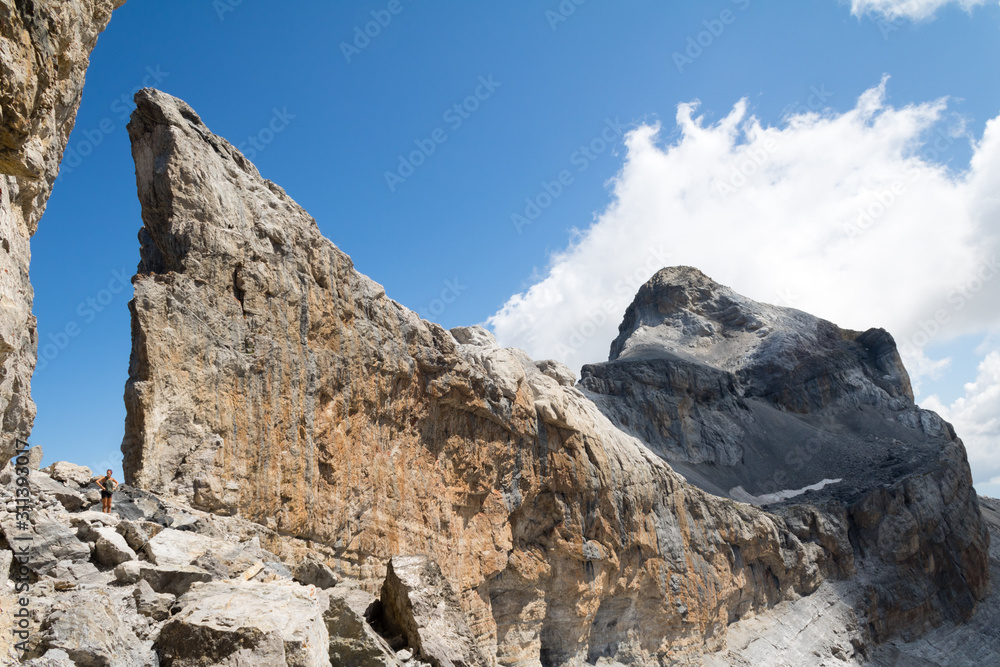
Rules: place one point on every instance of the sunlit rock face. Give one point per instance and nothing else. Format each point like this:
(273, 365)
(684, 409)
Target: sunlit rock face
(44, 53)
(272, 381)
(776, 407)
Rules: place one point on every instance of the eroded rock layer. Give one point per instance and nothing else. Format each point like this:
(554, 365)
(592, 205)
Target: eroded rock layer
(272, 381)
(44, 52)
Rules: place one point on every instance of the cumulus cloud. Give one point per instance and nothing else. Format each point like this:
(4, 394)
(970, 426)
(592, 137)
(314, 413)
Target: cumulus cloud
(917, 10)
(976, 417)
(850, 216)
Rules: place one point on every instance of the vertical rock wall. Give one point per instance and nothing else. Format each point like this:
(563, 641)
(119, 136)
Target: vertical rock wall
(44, 52)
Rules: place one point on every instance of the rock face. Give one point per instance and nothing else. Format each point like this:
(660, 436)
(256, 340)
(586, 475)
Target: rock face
(271, 381)
(760, 403)
(418, 604)
(44, 52)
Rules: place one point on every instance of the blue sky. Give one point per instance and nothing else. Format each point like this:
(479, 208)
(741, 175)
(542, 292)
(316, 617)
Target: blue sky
(558, 84)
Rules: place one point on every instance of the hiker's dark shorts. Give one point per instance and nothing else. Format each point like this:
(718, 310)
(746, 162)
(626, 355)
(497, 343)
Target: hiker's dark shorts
(105, 494)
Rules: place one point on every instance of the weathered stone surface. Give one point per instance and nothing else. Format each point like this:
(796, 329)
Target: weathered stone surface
(419, 604)
(270, 380)
(353, 641)
(85, 625)
(111, 547)
(69, 473)
(175, 580)
(51, 541)
(43, 485)
(34, 456)
(761, 404)
(311, 572)
(150, 603)
(44, 52)
(249, 624)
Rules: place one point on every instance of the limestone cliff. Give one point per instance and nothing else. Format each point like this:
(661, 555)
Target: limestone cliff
(44, 52)
(270, 380)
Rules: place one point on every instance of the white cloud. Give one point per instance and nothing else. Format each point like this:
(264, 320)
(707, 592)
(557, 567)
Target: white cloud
(976, 418)
(917, 10)
(848, 216)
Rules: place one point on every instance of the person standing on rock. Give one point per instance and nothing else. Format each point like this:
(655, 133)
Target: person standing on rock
(108, 485)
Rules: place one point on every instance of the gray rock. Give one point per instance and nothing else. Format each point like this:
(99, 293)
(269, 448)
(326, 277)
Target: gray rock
(353, 641)
(111, 547)
(70, 575)
(51, 542)
(150, 603)
(43, 485)
(69, 473)
(35, 457)
(311, 572)
(175, 580)
(250, 624)
(419, 603)
(53, 658)
(86, 627)
(138, 533)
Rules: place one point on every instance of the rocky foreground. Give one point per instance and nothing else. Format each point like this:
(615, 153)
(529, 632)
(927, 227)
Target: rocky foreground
(159, 583)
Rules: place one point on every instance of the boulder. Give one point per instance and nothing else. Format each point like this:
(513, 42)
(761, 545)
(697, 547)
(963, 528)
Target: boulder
(150, 603)
(419, 604)
(34, 457)
(175, 580)
(138, 533)
(111, 547)
(72, 574)
(43, 485)
(353, 641)
(312, 572)
(51, 541)
(248, 624)
(70, 473)
(86, 626)
(55, 657)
